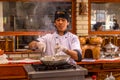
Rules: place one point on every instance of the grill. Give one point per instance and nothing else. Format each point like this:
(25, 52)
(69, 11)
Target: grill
(61, 72)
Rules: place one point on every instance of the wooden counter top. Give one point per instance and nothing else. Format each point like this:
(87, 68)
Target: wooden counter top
(16, 71)
(12, 71)
(99, 61)
(101, 68)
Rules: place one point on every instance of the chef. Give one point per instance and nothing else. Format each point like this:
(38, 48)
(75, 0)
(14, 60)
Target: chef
(61, 41)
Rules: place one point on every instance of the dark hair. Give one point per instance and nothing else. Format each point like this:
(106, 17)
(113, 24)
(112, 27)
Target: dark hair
(116, 25)
(97, 25)
(61, 14)
(114, 20)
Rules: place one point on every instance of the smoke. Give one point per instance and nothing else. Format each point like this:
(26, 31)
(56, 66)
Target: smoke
(35, 15)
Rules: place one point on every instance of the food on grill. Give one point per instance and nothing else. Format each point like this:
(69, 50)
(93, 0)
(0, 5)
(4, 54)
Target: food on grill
(48, 58)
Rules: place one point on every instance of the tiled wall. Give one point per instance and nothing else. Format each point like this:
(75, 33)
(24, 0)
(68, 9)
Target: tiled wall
(81, 20)
(1, 19)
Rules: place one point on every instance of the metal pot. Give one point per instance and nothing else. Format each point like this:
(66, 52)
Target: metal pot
(110, 48)
(55, 60)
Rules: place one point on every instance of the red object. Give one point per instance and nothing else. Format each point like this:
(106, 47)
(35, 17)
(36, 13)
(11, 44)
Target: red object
(94, 77)
(1, 52)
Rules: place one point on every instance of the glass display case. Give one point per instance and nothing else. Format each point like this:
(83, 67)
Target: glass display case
(104, 13)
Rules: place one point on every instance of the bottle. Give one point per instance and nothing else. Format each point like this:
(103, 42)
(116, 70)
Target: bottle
(111, 77)
(94, 77)
(107, 78)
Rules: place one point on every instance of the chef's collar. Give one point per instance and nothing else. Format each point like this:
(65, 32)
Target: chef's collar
(57, 35)
(64, 32)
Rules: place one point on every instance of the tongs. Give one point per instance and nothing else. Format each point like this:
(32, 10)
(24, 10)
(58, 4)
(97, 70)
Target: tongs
(57, 52)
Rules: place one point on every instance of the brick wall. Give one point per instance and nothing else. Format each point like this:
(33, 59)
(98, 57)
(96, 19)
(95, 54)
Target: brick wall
(81, 20)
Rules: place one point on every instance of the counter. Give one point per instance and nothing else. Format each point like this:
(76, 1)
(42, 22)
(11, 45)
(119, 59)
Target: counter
(101, 68)
(12, 71)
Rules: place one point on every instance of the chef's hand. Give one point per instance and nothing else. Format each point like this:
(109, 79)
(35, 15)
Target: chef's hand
(39, 46)
(59, 48)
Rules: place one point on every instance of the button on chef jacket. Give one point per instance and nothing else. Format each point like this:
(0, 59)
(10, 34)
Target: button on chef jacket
(68, 40)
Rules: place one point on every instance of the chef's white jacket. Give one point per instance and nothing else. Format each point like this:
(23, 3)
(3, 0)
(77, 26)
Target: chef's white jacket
(68, 40)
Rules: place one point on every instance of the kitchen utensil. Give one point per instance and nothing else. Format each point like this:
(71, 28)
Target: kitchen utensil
(54, 60)
(109, 48)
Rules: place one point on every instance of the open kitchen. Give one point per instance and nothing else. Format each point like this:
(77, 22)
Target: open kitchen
(59, 40)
